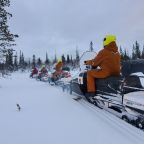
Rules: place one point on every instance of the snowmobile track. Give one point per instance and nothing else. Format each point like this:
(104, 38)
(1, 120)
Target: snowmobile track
(116, 122)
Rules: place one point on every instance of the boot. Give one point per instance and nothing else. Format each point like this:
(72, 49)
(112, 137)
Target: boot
(89, 94)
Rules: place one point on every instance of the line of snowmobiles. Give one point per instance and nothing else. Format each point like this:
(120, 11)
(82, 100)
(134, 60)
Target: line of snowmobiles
(63, 77)
(121, 95)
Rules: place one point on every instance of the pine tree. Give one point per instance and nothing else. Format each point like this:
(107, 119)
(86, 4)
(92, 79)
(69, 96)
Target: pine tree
(77, 56)
(29, 63)
(126, 56)
(15, 62)
(6, 37)
(142, 55)
(137, 48)
(68, 59)
(9, 59)
(133, 52)
(39, 62)
(63, 59)
(34, 60)
(55, 58)
(22, 60)
(71, 60)
(121, 53)
(47, 61)
(91, 46)
(22, 63)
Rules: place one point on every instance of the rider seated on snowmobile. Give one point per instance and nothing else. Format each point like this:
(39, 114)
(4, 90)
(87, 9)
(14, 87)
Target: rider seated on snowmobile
(34, 71)
(43, 71)
(108, 59)
(58, 70)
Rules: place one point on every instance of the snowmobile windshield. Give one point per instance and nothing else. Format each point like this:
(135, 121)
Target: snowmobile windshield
(132, 66)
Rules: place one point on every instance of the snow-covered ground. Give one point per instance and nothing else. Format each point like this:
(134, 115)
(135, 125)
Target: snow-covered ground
(49, 116)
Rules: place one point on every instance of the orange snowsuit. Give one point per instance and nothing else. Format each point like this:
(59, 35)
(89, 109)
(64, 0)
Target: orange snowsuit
(108, 59)
(58, 69)
(59, 66)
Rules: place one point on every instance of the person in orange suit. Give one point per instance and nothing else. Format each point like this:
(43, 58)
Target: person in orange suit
(58, 70)
(59, 65)
(108, 59)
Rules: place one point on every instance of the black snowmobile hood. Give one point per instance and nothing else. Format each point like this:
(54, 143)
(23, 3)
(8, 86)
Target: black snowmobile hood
(132, 66)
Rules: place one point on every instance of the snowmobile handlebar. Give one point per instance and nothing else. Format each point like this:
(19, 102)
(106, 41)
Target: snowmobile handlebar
(89, 67)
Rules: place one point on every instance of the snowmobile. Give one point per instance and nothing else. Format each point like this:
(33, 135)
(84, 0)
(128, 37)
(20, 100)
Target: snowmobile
(121, 95)
(42, 77)
(34, 73)
(61, 79)
(33, 76)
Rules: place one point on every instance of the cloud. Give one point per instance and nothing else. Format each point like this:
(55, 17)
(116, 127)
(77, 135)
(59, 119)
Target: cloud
(61, 25)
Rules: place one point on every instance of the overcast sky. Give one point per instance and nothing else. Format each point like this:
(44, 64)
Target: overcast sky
(61, 25)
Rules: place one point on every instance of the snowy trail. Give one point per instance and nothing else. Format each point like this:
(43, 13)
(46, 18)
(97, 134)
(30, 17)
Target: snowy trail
(120, 125)
(50, 116)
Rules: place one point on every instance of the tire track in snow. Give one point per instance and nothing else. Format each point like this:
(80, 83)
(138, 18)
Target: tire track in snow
(125, 128)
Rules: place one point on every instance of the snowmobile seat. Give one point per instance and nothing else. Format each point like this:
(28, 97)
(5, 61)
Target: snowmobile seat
(113, 84)
(106, 85)
(110, 85)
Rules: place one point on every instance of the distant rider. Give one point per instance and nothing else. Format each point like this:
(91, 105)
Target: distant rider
(34, 71)
(43, 71)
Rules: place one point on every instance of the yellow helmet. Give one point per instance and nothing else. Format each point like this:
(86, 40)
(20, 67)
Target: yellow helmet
(59, 60)
(42, 66)
(108, 39)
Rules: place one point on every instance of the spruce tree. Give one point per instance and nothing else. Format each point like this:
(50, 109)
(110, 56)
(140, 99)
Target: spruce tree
(77, 56)
(34, 60)
(126, 56)
(55, 58)
(22, 60)
(91, 46)
(68, 59)
(9, 59)
(121, 53)
(63, 59)
(71, 60)
(29, 63)
(142, 55)
(15, 62)
(133, 52)
(47, 61)
(137, 50)
(6, 37)
(39, 62)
